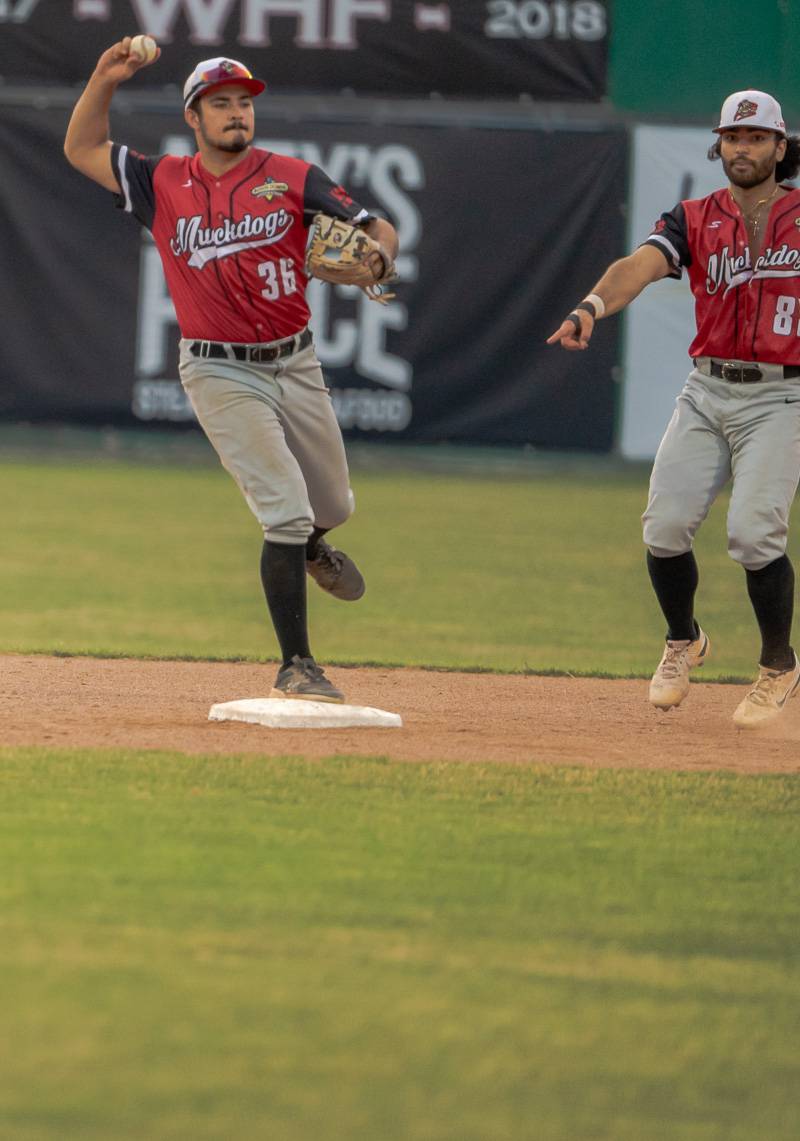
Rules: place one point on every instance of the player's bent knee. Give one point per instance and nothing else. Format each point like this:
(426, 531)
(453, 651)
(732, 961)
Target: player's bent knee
(295, 531)
(665, 539)
(335, 511)
(756, 538)
(661, 553)
(754, 553)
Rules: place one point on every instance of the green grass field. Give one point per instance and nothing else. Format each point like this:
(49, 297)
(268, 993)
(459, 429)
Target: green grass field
(233, 948)
(236, 949)
(539, 573)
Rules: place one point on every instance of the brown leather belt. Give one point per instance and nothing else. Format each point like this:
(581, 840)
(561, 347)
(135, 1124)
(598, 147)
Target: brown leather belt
(259, 354)
(748, 373)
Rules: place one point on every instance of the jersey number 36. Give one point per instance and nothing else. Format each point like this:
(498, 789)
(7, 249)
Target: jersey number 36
(279, 278)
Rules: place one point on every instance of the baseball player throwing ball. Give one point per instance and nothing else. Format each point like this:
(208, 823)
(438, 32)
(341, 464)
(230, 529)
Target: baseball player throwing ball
(231, 225)
(738, 415)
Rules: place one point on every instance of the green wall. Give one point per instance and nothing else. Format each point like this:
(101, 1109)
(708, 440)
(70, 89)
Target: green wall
(681, 58)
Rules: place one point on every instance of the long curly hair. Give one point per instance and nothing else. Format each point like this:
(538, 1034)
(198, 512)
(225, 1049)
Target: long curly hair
(785, 170)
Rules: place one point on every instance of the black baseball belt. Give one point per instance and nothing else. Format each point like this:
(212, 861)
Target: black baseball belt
(739, 372)
(258, 354)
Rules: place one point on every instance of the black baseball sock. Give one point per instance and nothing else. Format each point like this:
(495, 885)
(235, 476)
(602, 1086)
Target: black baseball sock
(311, 545)
(771, 591)
(283, 576)
(675, 582)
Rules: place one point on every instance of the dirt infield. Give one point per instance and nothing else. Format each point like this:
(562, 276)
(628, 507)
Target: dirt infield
(92, 703)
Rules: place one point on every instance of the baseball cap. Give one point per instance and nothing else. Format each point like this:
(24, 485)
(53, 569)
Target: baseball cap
(751, 109)
(215, 73)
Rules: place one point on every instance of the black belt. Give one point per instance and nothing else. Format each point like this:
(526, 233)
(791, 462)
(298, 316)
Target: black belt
(747, 373)
(222, 350)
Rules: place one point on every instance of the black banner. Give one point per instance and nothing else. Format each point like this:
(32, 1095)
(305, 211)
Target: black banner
(547, 49)
(500, 231)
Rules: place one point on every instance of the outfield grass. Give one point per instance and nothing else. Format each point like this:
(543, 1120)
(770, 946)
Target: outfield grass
(538, 573)
(356, 951)
(196, 949)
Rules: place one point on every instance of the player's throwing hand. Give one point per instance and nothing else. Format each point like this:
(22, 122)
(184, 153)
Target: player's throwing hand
(118, 63)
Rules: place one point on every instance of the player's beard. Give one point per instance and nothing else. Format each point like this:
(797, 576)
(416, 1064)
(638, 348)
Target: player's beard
(233, 140)
(750, 175)
(237, 143)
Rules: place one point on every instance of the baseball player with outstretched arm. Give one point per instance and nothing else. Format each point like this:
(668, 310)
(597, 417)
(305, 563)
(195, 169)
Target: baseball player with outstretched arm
(231, 225)
(738, 415)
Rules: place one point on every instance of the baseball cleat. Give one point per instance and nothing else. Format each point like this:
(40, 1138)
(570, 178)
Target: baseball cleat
(303, 678)
(336, 573)
(767, 697)
(670, 682)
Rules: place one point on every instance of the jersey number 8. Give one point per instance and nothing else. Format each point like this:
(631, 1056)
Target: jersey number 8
(784, 314)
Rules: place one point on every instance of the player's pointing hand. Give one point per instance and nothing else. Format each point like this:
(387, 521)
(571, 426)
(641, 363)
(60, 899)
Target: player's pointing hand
(574, 332)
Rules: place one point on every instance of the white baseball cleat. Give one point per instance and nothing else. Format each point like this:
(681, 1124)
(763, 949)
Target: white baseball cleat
(670, 682)
(767, 697)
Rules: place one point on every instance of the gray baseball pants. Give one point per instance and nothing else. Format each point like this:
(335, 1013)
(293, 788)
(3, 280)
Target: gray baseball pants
(749, 433)
(274, 429)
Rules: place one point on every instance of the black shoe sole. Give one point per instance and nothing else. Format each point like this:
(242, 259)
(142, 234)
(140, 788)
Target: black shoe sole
(307, 697)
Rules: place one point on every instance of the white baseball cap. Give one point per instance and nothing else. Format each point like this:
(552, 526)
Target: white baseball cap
(216, 73)
(751, 109)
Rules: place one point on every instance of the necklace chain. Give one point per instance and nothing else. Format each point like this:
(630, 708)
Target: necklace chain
(753, 216)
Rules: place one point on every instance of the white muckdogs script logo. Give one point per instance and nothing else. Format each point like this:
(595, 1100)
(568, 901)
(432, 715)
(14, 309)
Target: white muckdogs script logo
(731, 270)
(209, 243)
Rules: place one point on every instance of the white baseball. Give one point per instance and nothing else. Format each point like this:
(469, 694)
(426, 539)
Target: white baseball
(143, 48)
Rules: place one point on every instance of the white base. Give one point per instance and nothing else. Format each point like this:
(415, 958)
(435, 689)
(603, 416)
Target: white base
(296, 713)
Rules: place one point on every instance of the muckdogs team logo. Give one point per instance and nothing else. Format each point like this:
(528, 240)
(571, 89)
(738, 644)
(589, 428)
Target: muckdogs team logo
(730, 270)
(780, 261)
(727, 269)
(211, 243)
(746, 109)
(270, 189)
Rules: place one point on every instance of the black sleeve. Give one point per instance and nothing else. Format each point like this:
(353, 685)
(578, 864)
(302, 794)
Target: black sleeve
(322, 196)
(669, 235)
(134, 174)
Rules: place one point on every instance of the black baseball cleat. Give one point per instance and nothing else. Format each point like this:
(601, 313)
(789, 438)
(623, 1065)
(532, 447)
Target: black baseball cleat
(303, 678)
(336, 573)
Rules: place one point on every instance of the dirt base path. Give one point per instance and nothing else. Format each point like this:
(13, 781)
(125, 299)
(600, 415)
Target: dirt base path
(91, 703)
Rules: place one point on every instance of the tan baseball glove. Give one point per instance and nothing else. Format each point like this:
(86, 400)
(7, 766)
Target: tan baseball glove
(345, 254)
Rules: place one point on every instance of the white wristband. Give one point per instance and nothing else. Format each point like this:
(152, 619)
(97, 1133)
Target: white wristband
(598, 303)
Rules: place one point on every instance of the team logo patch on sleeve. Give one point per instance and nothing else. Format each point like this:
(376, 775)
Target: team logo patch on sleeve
(341, 194)
(270, 189)
(746, 109)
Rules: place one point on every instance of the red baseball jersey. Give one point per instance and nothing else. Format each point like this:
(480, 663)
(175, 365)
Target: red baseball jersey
(233, 246)
(743, 312)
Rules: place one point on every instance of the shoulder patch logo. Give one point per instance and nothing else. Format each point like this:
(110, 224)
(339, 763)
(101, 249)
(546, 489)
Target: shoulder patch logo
(746, 109)
(270, 189)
